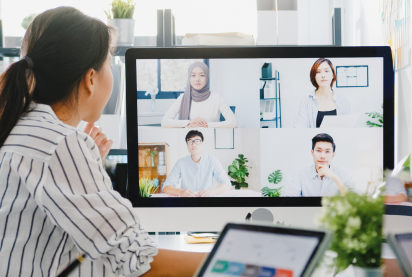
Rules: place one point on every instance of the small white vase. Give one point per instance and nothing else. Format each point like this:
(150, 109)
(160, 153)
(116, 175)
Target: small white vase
(125, 30)
(367, 271)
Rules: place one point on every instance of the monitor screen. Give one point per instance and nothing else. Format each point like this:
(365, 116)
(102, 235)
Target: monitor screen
(241, 130)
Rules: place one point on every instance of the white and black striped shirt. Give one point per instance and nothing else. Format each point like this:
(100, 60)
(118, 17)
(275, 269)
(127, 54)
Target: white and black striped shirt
(56, 202)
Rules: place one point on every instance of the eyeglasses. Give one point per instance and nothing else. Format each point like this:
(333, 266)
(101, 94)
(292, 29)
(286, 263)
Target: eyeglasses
(195, 141)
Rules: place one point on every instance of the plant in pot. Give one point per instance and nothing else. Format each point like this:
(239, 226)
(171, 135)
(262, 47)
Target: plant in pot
(238, 171)
(120, 16)
(147, 187)
(275, 178)
(356, 223)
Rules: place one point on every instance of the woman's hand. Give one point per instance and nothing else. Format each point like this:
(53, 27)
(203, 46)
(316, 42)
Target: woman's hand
(197, 122)
(103, 143)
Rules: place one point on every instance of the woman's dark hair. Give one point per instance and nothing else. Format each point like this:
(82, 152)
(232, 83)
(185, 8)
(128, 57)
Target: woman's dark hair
(314, 71)
(194, 133)
(61, 44)
(323, 137)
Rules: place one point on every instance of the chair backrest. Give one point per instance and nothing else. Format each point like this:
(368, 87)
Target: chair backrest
(233, 108)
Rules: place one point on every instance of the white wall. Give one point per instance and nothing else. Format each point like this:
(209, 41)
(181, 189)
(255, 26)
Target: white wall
(237, 80)
(314, 22)
(243, 138)
(295, 84)
(290, 151)
(267, 31)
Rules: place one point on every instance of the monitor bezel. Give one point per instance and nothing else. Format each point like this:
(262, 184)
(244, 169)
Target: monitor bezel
(132, 54)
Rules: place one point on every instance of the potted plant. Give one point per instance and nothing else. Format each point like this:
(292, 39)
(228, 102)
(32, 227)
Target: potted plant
(238, 171)
(120, 16)
(275, 178)
(356, 223)
(147, 187)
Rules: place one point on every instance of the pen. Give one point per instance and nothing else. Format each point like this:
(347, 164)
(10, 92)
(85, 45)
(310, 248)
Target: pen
(72, 266)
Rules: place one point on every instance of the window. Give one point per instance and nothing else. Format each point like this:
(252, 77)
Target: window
(168, 75)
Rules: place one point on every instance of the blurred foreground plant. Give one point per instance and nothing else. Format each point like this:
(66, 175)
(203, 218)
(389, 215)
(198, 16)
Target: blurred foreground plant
(356, 223)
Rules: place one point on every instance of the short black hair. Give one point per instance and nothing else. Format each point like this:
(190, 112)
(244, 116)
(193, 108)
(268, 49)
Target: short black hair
(194, 133)
(323, 137)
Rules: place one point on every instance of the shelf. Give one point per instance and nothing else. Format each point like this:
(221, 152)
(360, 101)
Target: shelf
(265, 79)
(9, 52)
(15, 52)
(275, 119)
(151, 166)
(268, 98)
(118, 152)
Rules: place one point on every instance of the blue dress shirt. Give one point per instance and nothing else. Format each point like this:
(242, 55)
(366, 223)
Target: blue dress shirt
(197, 176)
(306, 183)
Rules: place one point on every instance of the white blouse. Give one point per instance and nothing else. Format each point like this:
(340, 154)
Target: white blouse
(209, 110)
(56, 202)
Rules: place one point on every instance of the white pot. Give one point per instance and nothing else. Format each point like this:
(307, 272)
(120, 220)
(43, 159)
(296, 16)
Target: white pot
(125, 30)
(367, 271)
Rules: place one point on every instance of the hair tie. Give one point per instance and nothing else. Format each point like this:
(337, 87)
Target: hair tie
(29, 61)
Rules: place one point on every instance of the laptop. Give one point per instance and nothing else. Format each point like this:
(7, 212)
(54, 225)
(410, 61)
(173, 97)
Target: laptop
(401, 244)
(265, 251)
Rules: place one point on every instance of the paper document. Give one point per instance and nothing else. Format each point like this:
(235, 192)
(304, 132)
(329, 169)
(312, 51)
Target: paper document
(339, 121)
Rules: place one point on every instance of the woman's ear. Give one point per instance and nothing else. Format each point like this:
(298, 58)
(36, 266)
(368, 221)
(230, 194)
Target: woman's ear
(88, 82)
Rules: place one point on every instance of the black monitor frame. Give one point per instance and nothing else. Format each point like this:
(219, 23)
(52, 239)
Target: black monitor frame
(133, 54)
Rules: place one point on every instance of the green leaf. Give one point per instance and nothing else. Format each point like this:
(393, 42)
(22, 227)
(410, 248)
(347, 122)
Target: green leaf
(241, 156)
(275, 177)
(236, 164)
(232, 169)
(407, 162)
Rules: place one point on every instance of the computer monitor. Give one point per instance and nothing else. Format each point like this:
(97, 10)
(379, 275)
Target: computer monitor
(263, 107)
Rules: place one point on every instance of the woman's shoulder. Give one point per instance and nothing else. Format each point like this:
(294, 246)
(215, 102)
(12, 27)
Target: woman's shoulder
(37, 135)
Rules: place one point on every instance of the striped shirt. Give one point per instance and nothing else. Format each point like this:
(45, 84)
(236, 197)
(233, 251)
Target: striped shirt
(56, 202)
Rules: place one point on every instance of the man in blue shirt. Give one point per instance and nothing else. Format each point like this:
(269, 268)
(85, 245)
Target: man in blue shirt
(197, 171)
(321, 178)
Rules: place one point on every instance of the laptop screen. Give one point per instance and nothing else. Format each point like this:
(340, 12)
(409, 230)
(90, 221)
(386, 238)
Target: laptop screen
(255, 253)
(405, 243)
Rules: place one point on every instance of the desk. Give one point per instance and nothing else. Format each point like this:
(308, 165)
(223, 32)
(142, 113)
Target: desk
(230, 193)
(177, 242)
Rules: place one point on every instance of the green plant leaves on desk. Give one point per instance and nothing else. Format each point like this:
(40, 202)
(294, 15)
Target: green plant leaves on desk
(238, 171)
(121, 9)
(375, 115)
(268, 192)
(275, 177)
(356, 223)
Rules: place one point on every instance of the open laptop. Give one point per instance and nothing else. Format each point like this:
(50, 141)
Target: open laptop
(401, 244)
(265, 251)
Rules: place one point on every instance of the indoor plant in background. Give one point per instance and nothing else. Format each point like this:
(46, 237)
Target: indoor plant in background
(146, 186)
(120, 16)
(356, 223)
(238, 171)
(378, 117)
(275, 178)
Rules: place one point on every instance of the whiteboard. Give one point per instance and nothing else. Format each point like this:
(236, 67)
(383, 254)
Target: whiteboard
(352, 76)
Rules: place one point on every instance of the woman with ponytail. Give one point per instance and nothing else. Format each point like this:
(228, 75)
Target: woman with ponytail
(56, 200)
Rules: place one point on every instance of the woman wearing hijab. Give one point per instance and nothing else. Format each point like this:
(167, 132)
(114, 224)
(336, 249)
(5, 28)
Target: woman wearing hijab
(323, 100)
(198, 106)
